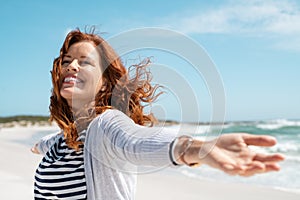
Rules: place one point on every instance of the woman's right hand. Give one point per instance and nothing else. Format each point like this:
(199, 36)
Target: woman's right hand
(231, 154)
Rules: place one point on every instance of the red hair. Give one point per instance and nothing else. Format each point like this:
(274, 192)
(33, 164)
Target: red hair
(119, 91)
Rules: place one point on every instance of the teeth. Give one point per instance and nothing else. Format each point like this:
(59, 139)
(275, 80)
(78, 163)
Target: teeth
(71, 79)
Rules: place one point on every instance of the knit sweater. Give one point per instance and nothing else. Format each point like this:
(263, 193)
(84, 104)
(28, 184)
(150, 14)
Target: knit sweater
(115, 151)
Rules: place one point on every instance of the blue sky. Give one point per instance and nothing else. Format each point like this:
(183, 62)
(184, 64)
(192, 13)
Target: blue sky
(255, 46)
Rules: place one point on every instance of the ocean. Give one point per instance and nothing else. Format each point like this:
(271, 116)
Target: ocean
(287, 133)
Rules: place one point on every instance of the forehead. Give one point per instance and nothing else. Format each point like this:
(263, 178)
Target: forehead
(83, 49)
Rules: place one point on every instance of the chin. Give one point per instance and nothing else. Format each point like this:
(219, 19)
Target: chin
(67, 94)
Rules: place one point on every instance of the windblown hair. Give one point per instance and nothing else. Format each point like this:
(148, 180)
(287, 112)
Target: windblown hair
(119, 91)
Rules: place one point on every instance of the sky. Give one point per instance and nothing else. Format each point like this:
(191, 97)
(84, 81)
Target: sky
(254, 46)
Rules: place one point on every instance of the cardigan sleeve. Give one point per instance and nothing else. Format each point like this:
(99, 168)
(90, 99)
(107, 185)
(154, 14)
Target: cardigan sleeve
(118, 137)
(46, 142)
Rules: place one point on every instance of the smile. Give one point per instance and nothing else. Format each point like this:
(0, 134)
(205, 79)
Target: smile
(72, 80)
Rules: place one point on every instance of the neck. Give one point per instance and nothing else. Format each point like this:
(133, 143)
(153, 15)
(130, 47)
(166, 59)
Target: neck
(78, 107)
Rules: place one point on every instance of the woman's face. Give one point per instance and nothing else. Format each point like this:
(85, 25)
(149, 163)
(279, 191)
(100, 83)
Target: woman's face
(81, 74)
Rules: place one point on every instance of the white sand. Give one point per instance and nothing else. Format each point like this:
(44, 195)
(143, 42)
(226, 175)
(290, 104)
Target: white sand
(17, 163)
(17, 166)
(170, 187)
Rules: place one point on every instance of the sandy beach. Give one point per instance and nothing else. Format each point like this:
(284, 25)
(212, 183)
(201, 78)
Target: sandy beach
(168, 187)
(18, 164)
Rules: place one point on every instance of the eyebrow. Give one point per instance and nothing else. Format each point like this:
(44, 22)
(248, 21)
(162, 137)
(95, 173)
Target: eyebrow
(87, 58)
(68, 56)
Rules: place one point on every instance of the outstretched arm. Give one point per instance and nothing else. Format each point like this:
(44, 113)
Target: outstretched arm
(42, 146)
(231, 154)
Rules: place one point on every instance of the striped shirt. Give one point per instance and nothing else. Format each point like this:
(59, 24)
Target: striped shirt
(60, 175)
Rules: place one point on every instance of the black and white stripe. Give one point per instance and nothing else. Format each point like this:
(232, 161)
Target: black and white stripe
(60, 174)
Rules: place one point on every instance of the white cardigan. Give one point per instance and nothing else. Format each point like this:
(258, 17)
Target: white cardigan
(115, 151)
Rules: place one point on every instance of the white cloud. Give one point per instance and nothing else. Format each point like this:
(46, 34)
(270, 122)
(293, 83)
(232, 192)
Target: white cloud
(255, 16)
(269, 18)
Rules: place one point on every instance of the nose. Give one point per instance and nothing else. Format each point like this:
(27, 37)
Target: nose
(73, 66)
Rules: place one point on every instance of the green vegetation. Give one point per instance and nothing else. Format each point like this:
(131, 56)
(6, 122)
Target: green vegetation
(28, 118)
(24, 120)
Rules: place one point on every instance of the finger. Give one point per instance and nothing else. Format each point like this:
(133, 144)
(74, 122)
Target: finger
(231, 169)
(256, 165)
(254, 168)
(259, 140)
(268, 168)
(272, 167)
(268, 158)
(35, 150)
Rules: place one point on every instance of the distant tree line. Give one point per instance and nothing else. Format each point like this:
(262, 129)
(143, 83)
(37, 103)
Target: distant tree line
(28, 118)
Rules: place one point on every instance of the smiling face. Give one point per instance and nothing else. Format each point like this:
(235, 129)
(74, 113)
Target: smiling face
(81, 74)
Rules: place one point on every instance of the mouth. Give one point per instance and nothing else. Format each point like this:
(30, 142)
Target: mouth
(72, 80)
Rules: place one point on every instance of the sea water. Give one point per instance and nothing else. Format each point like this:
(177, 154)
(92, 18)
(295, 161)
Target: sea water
(287, 133)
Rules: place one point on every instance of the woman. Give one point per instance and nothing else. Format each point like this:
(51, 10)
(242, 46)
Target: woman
(104, 138)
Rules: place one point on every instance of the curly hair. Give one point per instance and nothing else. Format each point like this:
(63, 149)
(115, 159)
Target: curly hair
(119, 91)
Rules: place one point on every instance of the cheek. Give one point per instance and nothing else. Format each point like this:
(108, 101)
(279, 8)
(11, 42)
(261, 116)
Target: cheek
(95, 82)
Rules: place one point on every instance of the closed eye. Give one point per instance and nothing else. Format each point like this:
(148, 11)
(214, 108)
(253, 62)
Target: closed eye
(85, 62)
(65, 62)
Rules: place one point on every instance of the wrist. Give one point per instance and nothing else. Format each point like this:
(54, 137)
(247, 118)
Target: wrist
(186, 151)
